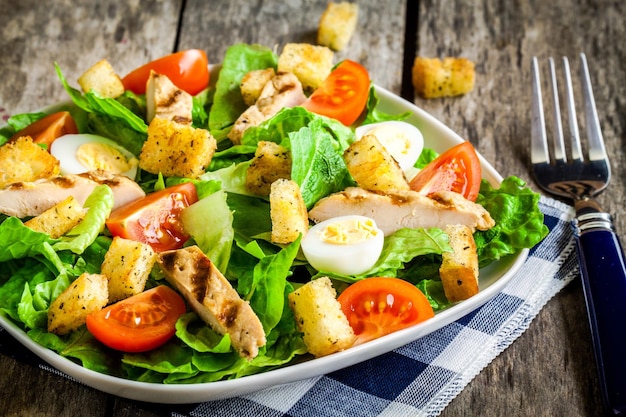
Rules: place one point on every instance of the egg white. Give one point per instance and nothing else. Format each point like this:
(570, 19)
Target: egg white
(344, 259)
(66, 148)
(402, 140)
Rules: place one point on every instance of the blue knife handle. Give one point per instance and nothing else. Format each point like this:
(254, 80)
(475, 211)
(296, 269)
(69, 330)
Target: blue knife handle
(603, 272)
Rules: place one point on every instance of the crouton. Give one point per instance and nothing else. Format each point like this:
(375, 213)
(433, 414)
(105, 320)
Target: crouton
(319, 317)
(87, 294)
(310, 63)
(287, 211)
(271, 162)
(102, 79)
(176, 150)
(23, 160)
(372, 166)
(58, 219)
(252, 84)
(337, 25)
(127, 265)
(433, 78)
(459, 269)
(165, 100)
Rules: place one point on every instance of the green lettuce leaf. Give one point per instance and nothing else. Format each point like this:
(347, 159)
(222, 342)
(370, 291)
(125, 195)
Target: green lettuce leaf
(228, 102)
(209, 222)
(519, 222)
(108, 117)
(99, 205)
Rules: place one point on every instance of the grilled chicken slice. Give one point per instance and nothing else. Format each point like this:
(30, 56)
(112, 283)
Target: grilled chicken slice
(213, 298)
(283, 90)
(165, 100)
(23, 199)
(404, 209)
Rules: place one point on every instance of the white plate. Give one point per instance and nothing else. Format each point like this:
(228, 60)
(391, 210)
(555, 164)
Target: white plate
(492, 279)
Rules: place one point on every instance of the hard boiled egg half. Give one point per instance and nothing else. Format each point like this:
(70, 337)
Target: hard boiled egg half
(83, 152)
(346, 245)
(402, 140)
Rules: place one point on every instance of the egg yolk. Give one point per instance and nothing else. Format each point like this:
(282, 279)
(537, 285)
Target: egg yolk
(103, 156)
(348, 232)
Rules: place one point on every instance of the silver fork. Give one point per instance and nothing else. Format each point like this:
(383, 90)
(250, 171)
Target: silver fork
(600, 252)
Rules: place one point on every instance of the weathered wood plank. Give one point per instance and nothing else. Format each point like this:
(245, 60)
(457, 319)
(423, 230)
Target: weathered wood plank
(376, 42)
(550, 369)
(76, 35)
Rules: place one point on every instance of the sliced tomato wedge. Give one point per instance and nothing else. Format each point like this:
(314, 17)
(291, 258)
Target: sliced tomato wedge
(48, 128)
(343, 95)
(457, 169)
(155, 219)
(380, 305)
(188, 70)
(139, 323)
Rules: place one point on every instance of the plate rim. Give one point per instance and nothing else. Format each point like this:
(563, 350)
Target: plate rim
(209, 391)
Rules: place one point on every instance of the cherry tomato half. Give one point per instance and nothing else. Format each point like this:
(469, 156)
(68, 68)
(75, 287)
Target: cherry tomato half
(380, 305)
(188, 70)
(48, 128)
(457, 169)
(139, 323)
(343, 95)
(155, 218)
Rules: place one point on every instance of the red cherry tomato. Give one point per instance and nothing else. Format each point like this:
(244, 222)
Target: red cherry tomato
(188, 70)
(457, 169)
(343, 95)
(48, 128)
(155, 219)
(139, 323)
(380, 305)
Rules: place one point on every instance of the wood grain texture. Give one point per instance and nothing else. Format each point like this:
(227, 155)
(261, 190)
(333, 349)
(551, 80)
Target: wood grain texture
(375, 43)
(76, 35)
(549, 370)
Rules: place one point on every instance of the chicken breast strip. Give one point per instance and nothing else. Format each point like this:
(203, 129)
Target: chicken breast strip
(213, 298)
(404, 209)
(24, 199)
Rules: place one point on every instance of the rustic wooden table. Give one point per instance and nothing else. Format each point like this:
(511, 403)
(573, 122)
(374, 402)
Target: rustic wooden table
(550, 369)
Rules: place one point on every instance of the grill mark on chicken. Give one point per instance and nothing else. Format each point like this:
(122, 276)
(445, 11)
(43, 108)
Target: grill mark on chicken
(213, 298)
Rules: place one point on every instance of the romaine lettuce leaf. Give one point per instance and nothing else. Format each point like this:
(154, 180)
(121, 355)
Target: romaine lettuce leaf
(228, 102)
(519, 222)
(99, 205)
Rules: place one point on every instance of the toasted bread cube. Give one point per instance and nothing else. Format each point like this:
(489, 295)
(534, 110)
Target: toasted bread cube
(310, 63)
(102, 78)
(337, 25)
(319, 317)
(252, 84)
(288, 212)
(177, 150)
(373, 167)
(127, 265)
(459, 269)
(87, 294)
(165, 100)
(271, 161)
(58, 219)
(433, 78)
(23, 160)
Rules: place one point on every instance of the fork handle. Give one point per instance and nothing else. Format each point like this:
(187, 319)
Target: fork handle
(603, 271)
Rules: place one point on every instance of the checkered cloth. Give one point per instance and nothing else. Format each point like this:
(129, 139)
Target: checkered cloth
(421, 378)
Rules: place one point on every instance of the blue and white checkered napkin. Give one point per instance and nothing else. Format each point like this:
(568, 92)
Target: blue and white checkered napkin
(421, 378)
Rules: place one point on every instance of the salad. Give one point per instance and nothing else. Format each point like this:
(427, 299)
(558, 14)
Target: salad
(232, 226)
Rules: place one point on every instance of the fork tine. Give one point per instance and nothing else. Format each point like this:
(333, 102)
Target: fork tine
(594, 133)
(559, 145)
(539, 142)
(577, 154)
